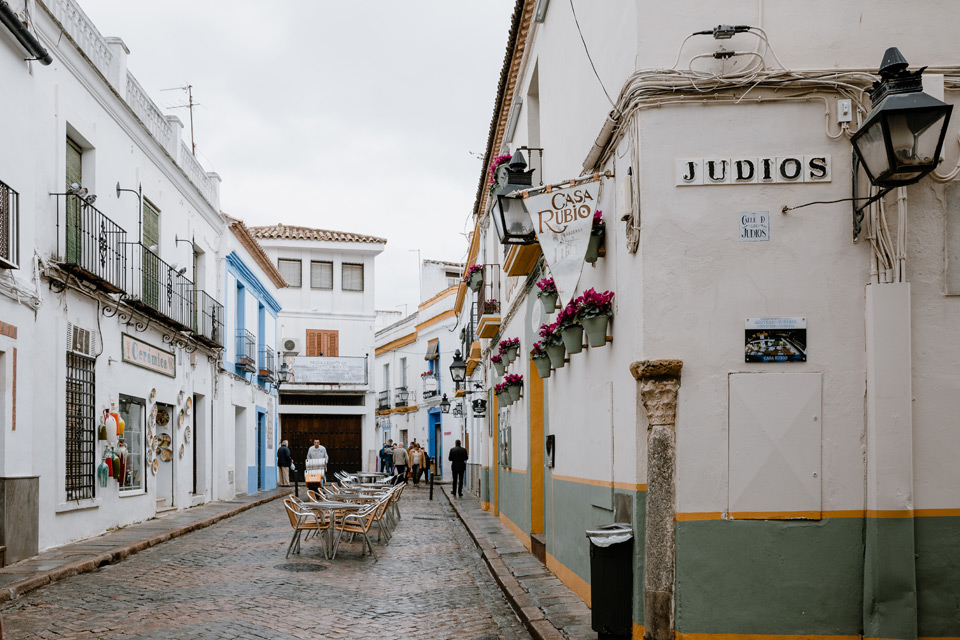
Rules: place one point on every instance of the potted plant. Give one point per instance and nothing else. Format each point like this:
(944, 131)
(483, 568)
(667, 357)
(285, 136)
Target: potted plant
(474, 277)
(495, 165)
(490, 306)
(503, 396)
(596, 310)
(514, 382)
(498, 364)
(548, 295)
(553, 344)
(597, 233)
(571, 331)
(540, 359)
(509, 349)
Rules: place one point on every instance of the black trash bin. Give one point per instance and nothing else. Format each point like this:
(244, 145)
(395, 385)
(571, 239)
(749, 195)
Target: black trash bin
(611, 580)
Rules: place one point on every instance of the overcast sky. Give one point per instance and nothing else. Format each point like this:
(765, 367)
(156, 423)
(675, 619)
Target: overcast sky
(344, 115)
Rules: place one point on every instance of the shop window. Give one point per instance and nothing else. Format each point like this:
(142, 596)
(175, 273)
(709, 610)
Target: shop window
(321, 275)
(352, 277)
(291, 271)
(80, 445)
(132, 411)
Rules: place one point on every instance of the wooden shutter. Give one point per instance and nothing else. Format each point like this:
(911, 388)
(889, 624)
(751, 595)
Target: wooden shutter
(323, 343)
(74, 174)
(151, 226)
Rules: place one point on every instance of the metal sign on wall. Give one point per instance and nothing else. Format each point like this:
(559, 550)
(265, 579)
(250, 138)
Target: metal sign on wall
(695, 172)
(146, 355)
(775, 340)
(328, 370)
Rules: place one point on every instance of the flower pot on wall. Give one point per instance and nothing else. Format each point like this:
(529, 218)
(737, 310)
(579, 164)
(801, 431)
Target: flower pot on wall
(549, 302)
(543, 366)
(475, 281)
(511, 354)
(500, 367)
(596, 328)
(557, 353)
(593, 247)
(513, 391)
(572, 338)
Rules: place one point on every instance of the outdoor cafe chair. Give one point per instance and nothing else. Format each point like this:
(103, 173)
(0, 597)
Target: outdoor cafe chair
(358, 522)
(302, 520)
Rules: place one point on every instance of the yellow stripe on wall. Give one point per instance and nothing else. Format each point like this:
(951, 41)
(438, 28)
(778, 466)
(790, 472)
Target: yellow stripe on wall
(574, 582)
(694, 516)
(757, 636)
(601, 483)
(515, 530)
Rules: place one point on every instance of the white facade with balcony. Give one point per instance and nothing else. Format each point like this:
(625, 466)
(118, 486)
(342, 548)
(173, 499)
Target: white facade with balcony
(326, 335)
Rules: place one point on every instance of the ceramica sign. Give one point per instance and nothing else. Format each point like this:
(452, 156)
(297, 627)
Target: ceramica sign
(148, 356)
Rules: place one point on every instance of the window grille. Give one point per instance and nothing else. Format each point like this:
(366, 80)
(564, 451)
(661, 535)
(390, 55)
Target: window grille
(321, 275)
(352, 277)
(81, 432)
(9, 227)
(291, 271)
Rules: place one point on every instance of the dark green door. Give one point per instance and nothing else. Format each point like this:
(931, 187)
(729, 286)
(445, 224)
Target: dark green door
(74, 230)
(151, 257)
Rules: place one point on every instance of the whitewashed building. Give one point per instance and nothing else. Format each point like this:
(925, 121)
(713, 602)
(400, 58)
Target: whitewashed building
(412, 370)
(326, 333)
(112, 286)
(773, 410)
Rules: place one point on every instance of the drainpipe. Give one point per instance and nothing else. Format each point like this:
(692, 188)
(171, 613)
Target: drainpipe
(659, 382)
(23, 36)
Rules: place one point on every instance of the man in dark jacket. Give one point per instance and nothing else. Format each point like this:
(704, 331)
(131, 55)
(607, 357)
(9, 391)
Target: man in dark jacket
(458, 459)
(283, 464)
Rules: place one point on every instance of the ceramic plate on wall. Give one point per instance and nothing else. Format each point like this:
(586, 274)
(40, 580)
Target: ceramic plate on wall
(187, 434)
(166, 454)
(181, 450)
(180, 397)
(189, 405)
(153, 395)
(183, 417)
(150, 457)
(163, 418)
(155, 466)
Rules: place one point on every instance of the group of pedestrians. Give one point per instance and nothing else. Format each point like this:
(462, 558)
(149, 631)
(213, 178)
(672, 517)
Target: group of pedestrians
(405, 463)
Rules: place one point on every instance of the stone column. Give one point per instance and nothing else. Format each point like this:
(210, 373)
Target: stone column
(659, 382)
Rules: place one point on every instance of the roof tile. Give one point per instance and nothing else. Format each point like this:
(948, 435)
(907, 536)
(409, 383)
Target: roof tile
(292, 232)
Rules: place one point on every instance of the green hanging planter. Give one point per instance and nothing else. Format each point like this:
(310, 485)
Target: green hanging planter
(500, 367)
(593, 247)
(572, 338)
(514, 392)
(596, 328)
(549, 302)
(475, 281)
(543, 366)
(511, 354)
(557, 352)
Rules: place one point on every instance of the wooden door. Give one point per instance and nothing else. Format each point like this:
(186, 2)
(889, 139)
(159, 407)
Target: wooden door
(339, 434)
(323, 343)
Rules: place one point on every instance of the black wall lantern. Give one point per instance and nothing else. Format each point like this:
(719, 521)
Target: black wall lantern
(510, 215)
(458, 409)
(900, 141)
(283, 376)
(458, 368)
(444, 404)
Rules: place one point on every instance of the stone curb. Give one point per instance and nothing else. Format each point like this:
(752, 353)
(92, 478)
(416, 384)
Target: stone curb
(531, 615)
(39, 579)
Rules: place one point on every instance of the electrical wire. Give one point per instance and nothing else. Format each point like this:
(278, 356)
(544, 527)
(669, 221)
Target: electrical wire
(587, 51)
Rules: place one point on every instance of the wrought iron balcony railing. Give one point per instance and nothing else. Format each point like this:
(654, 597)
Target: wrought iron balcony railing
(246, 350)
(94, 246)
(9, 227)
(383, 400)
(208, 319)
(488, 296)
(268, 365)
(158, 289)
(401, 396)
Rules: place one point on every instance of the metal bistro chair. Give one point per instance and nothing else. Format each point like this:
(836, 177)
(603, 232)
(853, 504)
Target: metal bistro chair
(358, 522)
(302, 520)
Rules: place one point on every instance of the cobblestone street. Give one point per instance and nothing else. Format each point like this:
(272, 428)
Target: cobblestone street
(231, 580)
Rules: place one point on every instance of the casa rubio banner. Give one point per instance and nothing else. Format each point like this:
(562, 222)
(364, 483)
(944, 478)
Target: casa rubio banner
(562, 218)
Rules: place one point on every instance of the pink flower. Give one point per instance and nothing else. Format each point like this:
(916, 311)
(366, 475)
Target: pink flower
(547, 285)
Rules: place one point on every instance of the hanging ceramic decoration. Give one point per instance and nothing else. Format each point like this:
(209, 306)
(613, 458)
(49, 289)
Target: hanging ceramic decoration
(155, 467)
(183, 417)
(166, 454)
(180, 397)
(187, 434)
(153, 396)
(163, 418)
(153, 412)
(102, 432)
(110, 426)
(102, 473)
(121, 425)
(181, 450)
(150, 456)
(189, 404)
(165, 440)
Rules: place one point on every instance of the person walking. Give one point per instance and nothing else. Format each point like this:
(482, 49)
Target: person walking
(317, 452)
(386, 457)
(458, 465)
(416, 463)
(283, 464)
(400, 461)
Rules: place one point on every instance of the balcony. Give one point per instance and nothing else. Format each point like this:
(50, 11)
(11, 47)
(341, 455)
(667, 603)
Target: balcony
(488, 302)
(246, 351)
(383, 400)
(208, 319)
(158, 289)
(268, 366)
(94, 246)
(401, 396)
(9, 227)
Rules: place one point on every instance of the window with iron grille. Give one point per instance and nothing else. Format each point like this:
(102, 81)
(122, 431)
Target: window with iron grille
(81, 434)
(321, 274)
(352, 277)
(290, 270)
(9, 227)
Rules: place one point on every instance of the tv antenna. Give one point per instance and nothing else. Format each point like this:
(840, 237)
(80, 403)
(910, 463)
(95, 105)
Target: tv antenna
(190, 105)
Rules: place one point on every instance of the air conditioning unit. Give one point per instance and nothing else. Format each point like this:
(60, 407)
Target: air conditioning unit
(291, 346)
